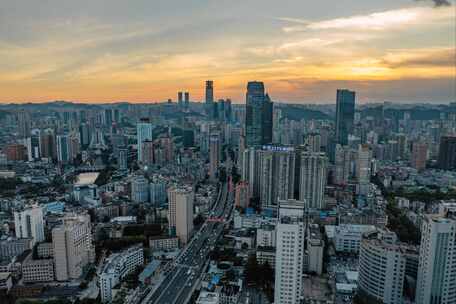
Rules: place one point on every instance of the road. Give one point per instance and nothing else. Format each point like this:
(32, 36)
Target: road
(182, 276)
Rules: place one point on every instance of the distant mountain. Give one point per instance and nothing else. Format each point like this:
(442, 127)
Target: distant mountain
(295, 112)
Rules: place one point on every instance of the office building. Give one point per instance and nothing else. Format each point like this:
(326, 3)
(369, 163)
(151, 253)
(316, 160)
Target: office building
(157, 194)
(347, 237)
(345, 115)
(33, 146)
(447, 153)
(314, 249)
(313, 179)
(72, 247)
(258, 119)
(63, 149)
(363, 164)
(37, 271)
(419, 156)
(381, 267)
(436, 281)
(186, 99)
(209, 98)
(140, 189)
(29, 224)
(144, 131)
(214, 155)
(122, 159)
(180, 99)
(290, 231)
(342, 164)
(47, 144)
(117, 267)
(242, 195)
(276, 174)
(313, 142)
(16, 152)
(180, 213)
(12, 247)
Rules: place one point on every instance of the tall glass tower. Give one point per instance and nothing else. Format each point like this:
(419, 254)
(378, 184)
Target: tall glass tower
(345, 115)
(258, 115)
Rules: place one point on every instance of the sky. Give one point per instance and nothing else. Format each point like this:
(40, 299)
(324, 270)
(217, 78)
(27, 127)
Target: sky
(303, 50)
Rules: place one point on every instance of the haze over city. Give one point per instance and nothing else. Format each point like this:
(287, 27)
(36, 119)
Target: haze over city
(108, 51)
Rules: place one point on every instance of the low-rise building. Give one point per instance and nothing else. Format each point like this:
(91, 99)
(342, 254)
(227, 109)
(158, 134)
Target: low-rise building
(164, 243)
(347, 238)
(35, 271)
(117, 267)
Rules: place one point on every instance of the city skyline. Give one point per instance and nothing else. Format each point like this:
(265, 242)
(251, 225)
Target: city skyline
(400, 51)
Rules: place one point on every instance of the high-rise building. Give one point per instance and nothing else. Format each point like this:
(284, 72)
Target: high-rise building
(63, 149)
(258, 119)
(447, 153)
(313, 142)
(157, 194)
(84, 134)
(209, 98)
(214, 155)
(180, 99)
(419, 155)
(242, 196)
(16, 152)
(342, 161)
(148, 152)
(33, 146)
(140, 189)
(313, 179)
(72, 247)
(276, 174)
(436, 270)
(345, 114)
(24, 122)
(363, 164)
(47, 144)
(290, 237)
(108, 117)
(143, 133)
(29, 224)
(122, 159)
(186, 99)
(180, 213)
(381, 267)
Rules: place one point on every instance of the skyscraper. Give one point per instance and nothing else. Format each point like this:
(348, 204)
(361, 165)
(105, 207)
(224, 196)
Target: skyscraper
(419, 155)
(437, 269)
(276, 174)
(122, 159)
(209, 99)
(72, 247)
(47, 144)
(290, 235)
(33, 145)
(143, 133)
(313, 179)
(29, 224)
(180, 99)
(363, 164)
(140, 190)
(180, 213)
(214, 155)
(24, 122)
(342, 160)
(258, 119)
(63, 149)
(447, 153)
(345, 115)
(186, 99)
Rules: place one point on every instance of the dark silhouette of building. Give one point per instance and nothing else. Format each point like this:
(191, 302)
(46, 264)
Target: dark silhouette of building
(209, 97)
(345, 115)
(258, 119)
(447, 153)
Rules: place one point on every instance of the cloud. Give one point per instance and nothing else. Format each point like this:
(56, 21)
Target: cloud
(434, 57)
(439, 3)
(377, 21)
